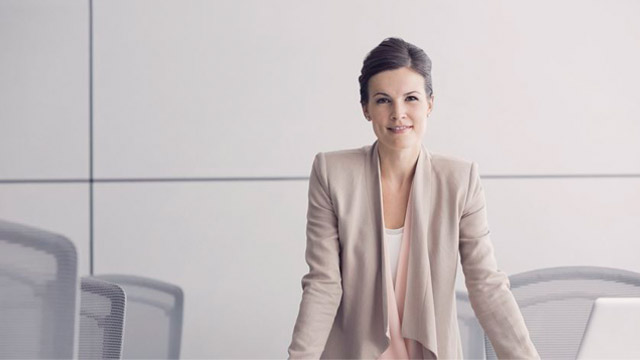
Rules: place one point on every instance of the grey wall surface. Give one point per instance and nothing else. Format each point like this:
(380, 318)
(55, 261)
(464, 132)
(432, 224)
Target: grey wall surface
(204, 117)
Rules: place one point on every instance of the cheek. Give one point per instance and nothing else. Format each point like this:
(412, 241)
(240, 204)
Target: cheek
(421, 127)
(376, 113)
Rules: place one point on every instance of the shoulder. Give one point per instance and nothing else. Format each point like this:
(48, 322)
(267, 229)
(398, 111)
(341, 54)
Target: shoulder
(450, 164)
(452, 169)
(338, 169)
(343, 159)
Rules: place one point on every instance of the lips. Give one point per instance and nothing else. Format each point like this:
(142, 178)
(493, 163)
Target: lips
(400, 129)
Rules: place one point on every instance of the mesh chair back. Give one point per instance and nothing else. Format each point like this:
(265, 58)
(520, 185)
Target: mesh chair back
(471, 333)
(38, 296)
(102, 311)
(556, 303)
(153, 326)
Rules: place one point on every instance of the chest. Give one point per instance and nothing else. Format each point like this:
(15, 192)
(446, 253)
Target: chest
(394, 205)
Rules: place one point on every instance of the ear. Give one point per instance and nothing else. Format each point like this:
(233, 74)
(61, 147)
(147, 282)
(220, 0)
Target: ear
(431, 99)
(366, 112)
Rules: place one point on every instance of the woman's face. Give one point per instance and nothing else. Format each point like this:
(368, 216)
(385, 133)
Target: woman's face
(397, 98)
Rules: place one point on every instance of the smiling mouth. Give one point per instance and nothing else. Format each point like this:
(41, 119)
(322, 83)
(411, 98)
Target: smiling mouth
(400, 129)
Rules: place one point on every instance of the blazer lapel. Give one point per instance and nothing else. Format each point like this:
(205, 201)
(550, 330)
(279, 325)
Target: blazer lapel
(419, 321)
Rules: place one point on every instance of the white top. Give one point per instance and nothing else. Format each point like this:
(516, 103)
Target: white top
(393, 240)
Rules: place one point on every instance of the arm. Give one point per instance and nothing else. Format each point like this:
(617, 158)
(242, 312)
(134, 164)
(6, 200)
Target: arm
(322, 285)
(489, 288)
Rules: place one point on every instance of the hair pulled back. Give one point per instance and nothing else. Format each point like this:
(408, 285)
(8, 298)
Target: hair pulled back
(393, 53)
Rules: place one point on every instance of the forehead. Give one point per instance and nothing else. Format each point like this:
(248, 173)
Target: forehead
(397, 81)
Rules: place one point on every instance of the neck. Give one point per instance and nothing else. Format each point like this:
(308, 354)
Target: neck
(397, 166)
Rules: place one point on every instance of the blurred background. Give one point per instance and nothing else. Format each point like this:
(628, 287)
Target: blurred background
(174, 139)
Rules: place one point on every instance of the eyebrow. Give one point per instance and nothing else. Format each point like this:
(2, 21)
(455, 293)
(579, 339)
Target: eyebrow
(381, 93)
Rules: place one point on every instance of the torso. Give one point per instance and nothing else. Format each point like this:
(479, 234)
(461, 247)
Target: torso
(394, 203)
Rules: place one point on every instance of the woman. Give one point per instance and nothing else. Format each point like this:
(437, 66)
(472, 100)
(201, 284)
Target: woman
(386, 225)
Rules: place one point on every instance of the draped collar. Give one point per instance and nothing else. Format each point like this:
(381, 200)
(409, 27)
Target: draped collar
(419, 318)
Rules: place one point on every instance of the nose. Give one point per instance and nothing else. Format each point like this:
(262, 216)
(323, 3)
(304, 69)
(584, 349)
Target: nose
(398, 111)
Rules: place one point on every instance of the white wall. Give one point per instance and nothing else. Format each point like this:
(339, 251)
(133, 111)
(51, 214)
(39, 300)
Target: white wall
(44, 117)
(207, 114)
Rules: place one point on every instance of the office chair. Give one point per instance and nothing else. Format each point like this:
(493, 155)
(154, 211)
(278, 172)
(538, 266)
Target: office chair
(102, 312)
(38, 296)
(153, 325)
(556, 303)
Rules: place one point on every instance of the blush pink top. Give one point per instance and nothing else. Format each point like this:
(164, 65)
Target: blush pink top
(400, 347)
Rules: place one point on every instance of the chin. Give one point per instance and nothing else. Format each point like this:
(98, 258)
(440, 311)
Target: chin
(402, 144)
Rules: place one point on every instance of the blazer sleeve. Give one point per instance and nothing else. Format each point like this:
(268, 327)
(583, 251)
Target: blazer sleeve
(322, 285)
(489, 287)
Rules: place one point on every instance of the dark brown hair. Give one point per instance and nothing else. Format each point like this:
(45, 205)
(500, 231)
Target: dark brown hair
(393, 53)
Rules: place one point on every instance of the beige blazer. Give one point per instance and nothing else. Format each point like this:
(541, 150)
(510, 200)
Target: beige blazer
(343, 311)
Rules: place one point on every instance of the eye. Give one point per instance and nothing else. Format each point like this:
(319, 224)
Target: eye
(412, 97)
(381, 100)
